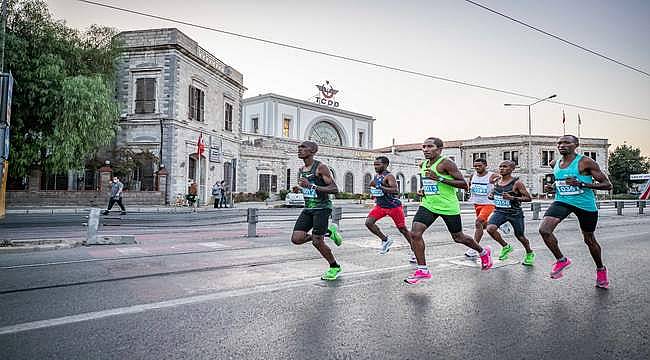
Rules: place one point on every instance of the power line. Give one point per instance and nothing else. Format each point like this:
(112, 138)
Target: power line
(558, 38)
(351, 59)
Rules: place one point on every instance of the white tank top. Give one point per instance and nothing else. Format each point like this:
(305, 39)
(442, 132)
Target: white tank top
(479, 189)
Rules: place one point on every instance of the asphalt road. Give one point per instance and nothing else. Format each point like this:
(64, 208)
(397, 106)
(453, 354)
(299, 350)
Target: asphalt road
(211, 293)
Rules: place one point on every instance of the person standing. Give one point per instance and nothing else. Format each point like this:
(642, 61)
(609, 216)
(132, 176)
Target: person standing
(217, 193)
(224, 194)
(576, 178)
(193, 195)
(116, 196)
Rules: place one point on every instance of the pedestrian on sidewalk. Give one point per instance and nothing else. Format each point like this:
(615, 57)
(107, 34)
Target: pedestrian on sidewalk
(193, 195)
(217, 194)
(224, 194)
(116, 196)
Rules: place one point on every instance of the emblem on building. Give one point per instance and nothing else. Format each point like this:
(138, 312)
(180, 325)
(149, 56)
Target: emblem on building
(326, 96)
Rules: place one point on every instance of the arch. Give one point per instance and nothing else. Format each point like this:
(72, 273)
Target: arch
(367, 178)
(349, 182)
(400, 182)
(414, 183)
(332, 121)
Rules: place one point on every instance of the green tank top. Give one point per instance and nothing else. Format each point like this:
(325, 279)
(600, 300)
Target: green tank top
(314, 199)
(438, 198)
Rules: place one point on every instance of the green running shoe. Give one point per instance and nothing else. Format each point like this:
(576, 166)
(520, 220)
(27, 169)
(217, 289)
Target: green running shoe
(334, 235)
(503, 255)
(331, 274)
(529, 259)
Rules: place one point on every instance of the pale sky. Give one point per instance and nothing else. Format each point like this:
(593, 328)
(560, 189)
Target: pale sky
(449, 38)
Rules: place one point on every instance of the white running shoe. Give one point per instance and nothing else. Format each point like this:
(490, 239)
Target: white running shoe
(413, 259)
(471, 253)
(385, 246)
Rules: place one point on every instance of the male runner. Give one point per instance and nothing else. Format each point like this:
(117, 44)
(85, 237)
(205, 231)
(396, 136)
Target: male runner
(480, 186)
(316, 182)
(384, 188)
(440, 178)
(508, 194)
(574, 193)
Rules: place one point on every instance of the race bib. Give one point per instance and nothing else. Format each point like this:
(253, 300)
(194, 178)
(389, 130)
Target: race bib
(500, 202)
(430, 187)
(480, 189)
(376, 192)
(308, 193)
(567, 190)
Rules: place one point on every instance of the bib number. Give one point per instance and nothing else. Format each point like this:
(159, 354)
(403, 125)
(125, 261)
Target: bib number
(309, 193)
(376, 192)
(567, 190)
(430, 187)
(480, 189)
(500, 202)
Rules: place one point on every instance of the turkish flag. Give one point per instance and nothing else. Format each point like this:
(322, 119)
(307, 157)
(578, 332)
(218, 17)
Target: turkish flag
(200, 145)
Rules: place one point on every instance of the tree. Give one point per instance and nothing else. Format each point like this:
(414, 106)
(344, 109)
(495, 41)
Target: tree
(623, 161)
(64, 106)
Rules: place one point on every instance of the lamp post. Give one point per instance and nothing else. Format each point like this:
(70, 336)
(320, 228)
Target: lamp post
(530, 138)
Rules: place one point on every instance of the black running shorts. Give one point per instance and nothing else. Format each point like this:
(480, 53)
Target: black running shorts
(316, 219)
(426, 217)
(587, 219)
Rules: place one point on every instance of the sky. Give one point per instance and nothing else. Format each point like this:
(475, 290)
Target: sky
(449, 38)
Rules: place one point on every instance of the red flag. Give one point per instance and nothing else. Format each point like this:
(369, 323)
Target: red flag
(200, 145)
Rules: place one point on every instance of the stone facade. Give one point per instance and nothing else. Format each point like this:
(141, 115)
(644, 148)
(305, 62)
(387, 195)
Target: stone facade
(81, 198)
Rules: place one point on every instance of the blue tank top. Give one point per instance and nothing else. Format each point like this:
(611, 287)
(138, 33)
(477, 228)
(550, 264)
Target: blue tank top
(383, 199)
(581, 198)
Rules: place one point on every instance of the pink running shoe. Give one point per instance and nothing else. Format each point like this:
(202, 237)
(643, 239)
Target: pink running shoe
(558, 267)
(486, 260)
(418, 276)
(601, 279)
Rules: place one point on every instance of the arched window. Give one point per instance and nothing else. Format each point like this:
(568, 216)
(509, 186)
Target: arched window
(349, 182)
(414, 183)
(400, 182)
(325, 133)
(366, 183)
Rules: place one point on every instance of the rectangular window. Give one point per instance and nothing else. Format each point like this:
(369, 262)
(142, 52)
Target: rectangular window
(361, 139)
(228, 117)
(288, 179)
(479, 156)
(591, 154)
(255, 124)
(286, 127)
(197, 103)
(268, 183)
(547, 157)
(511, 155)
(145, 96)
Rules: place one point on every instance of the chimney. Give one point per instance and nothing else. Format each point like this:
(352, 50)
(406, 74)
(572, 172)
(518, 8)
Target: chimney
(392, 148)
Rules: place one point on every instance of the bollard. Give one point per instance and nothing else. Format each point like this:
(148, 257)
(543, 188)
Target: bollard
(536, 207)
(251, 219)
(92, 238)
(641, 205)
(406, 211)
(337, 214)
(93, 226)
(619, 207)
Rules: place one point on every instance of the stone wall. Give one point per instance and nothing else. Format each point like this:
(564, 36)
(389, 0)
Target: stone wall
(81, 198)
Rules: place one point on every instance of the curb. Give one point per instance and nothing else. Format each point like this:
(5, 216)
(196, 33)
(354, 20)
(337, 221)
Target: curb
(39, 245)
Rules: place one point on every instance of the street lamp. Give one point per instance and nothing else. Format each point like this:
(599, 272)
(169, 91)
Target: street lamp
(530, 139)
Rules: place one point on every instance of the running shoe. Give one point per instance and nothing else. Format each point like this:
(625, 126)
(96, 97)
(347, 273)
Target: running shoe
(385, 246)
(601, 279)
(529, 259)
(503, 255)
(331, 274)
(417, 276)
(558, 267)
(334, 235)
(413, 259)
(486, 260)
(471, 253)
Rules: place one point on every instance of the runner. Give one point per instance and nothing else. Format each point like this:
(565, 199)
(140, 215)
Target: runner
(508, 194)
(384, 188)
(440, 179)
(480, 185)
(316, 182)
(574, 187)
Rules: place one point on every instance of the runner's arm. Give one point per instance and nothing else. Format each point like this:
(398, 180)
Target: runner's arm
(602, 182)
(450, 168)
(330, 186)
(390, 185)
(521, 189)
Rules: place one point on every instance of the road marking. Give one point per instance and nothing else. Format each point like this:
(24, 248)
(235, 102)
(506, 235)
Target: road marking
(214, 245)
(135, 309)
(131, 251)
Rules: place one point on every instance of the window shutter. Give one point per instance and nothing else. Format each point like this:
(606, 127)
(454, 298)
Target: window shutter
(274, 183)
(139, 96)
(150, 95)
(191, 102)
(201, 117)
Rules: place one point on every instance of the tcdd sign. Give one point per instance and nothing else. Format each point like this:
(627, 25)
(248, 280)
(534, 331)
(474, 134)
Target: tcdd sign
(326, 96)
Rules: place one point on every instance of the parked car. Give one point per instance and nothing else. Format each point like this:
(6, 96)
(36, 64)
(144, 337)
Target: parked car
(294, 200)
